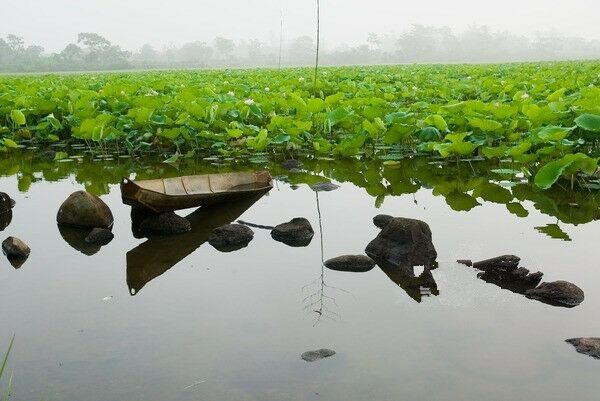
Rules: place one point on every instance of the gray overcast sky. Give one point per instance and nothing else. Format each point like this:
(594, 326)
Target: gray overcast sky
(131, 23)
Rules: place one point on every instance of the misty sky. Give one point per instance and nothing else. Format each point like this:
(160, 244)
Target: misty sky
(131, 23)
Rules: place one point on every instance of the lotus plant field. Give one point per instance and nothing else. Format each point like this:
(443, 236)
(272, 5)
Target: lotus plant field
(537, 120)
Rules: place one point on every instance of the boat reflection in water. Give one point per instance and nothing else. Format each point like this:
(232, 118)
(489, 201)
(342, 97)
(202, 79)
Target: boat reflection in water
(157, 255)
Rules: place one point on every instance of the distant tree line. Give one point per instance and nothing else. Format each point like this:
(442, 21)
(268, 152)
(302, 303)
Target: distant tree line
(420, 44)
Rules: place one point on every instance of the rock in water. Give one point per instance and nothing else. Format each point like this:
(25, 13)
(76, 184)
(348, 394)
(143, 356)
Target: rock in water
(557, 293)
(382, 220)
(292, 164)
(231, 237)
(324, 187)
(165, 224)
(16, 251)
(403, 242)
(351, 263)
(83, 209)
(297, 232)
(504, 263)
(5, 219)
(312, 356)
(100, 236)
(587, 346)
(6, 203)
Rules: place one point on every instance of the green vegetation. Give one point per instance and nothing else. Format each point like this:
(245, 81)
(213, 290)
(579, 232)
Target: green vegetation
(7, 391)
(542, 119)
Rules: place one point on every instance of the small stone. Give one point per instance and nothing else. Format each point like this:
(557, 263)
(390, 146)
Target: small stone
(465, 262)
(165, 224)
(312, 356)
(15, 248)
(231, 237)
(382, 220)
(82, 209)
(324, 187)
(297, 232)
(557, 293)
(100, 236)
(351, 263)
(587, 346)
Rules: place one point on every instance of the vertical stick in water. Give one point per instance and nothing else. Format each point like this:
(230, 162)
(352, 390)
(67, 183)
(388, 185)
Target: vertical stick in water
(280, 34)
(318, 42)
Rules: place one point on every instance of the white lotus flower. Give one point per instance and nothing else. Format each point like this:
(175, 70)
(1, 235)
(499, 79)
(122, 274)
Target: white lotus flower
(248, 102)
(525, 96)
(301, 79)
(267, 89)
(231, 93)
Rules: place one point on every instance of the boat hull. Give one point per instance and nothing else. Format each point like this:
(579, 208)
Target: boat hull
(211, 189)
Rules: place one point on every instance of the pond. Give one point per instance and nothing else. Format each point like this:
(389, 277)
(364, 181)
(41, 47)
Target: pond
(175, 319)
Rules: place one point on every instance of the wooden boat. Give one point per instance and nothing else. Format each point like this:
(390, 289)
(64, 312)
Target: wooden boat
(168, 194)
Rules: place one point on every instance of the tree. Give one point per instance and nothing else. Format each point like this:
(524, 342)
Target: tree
(224, 46)
(93, 41)
(195, 52)
(302, 50)
(15, 43)
(72, 53)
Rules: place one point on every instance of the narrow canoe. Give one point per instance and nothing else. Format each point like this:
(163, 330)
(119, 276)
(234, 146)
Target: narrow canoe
(168, 194)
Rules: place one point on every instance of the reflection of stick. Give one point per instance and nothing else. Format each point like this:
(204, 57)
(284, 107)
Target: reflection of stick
(255, 225)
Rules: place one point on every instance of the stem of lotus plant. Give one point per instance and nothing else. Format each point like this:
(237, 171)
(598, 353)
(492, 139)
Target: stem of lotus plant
(280, 35)
(318, 44)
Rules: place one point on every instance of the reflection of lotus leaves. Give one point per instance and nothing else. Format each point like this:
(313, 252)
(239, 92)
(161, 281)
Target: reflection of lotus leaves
(75, 237)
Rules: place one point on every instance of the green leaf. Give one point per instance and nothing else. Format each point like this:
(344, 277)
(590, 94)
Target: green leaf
(588, 122)
(485, 125)
(437, 121)
(554, 133)
(9, 143)
(567, 165)
(18, 117)
(338, 115)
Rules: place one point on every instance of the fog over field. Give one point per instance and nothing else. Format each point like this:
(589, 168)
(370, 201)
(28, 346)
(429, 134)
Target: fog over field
(182, 33)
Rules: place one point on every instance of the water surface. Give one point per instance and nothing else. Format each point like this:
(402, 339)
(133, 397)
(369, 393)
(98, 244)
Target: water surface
(174, 319)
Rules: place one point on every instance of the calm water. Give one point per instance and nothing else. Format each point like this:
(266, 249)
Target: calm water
(204, 325)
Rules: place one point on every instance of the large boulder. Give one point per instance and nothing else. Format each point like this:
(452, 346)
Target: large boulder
(165, 224)
(6, 203)
(382, 220)
(100, 236)
(557, 293)
(403, 242)
(297, 232)
(82, 209)
(587, 346)
(231, 237)
(351, 263)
